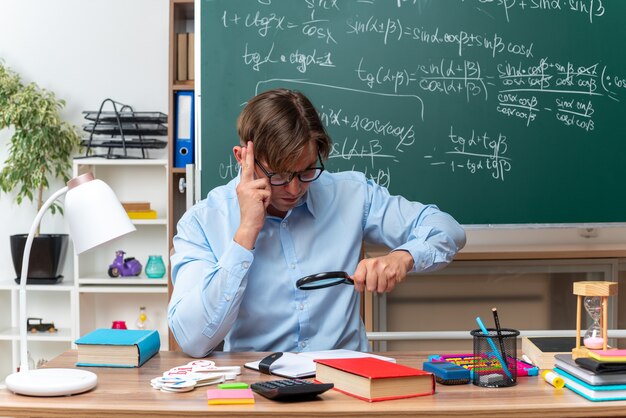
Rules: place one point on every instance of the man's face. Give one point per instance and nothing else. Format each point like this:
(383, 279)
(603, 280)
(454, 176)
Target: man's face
(285, 197)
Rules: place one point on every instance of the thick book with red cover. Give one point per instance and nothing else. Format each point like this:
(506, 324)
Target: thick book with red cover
(374, 380)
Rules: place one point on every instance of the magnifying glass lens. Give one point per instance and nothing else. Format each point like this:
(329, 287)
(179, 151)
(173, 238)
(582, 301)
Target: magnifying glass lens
(317, 284)
(321, 280)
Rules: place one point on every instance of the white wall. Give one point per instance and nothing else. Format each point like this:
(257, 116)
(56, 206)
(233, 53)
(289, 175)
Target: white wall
(85, 51)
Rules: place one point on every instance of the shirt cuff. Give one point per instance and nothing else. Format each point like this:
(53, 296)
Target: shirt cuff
(423, 255)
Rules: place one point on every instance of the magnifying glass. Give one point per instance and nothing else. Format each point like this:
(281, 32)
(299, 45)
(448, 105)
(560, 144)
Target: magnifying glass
(322, 280)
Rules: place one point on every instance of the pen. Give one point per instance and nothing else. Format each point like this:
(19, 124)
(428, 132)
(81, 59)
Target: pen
(493, 347)
(499, 331)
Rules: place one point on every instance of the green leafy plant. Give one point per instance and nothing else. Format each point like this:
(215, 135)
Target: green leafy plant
(42, 144)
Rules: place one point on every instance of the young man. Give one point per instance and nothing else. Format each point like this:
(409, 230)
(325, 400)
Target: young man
(240, 251)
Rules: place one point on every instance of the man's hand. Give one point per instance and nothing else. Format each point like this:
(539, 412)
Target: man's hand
(381, 274)
(254, 197)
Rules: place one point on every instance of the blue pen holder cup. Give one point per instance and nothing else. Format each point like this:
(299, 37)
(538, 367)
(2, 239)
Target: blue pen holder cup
(495, 353)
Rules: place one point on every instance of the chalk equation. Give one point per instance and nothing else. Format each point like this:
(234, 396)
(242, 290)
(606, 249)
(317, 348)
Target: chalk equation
(299, 59)
(409, 84)
(448, 77)
(570, 89)
(476, 152)
(587, 9)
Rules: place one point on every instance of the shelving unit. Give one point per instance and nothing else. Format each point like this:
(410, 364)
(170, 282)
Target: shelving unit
(49, 302)
(101, 299)
(89, 298)
(182, 13)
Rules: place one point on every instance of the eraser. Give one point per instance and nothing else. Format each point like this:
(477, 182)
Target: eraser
(233, 385)
(447, 373)
(491, 378)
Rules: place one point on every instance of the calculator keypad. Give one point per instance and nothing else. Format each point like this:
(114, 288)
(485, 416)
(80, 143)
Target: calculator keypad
(290, 389)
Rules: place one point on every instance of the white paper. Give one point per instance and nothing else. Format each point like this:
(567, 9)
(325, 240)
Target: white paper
(302, 365)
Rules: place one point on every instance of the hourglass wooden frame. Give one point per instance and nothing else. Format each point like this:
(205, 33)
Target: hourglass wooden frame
(598, 289)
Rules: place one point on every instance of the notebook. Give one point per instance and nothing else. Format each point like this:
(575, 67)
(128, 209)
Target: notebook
(592, 393)
(567, 363)
(302, 365)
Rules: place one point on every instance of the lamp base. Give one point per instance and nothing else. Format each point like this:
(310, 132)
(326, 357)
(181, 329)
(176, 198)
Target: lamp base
(51, 382)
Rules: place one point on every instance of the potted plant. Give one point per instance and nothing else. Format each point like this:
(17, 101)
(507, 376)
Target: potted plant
(40, 149)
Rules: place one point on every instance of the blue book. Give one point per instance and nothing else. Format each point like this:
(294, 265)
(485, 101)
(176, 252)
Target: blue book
(106, 347)
(591, 392)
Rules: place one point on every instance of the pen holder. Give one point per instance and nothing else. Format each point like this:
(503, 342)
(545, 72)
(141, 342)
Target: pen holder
(494, 364)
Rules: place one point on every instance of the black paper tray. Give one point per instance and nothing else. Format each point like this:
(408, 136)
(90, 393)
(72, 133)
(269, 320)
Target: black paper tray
(125, 117)
(145, 143)
(127, 128)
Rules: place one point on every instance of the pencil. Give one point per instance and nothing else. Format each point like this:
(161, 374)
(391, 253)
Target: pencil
(499, 331)
(493, 347)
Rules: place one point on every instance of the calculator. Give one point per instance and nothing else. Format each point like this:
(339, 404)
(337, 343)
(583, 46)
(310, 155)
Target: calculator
(290, 389)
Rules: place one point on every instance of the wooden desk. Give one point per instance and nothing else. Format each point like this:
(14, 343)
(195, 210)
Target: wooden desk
(127, 393)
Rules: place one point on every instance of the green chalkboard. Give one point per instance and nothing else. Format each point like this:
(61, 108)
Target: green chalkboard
(498, 111)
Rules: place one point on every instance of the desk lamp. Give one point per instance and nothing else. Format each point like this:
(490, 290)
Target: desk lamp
(94, 216)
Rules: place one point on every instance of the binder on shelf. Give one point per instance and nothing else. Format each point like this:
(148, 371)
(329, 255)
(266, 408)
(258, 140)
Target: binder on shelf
(181, 56)
(184, 129)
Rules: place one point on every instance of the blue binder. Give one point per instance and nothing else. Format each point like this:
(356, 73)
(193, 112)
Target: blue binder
(184, 126)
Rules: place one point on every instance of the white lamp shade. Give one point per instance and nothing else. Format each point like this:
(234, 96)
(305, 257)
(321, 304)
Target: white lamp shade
(94, 215)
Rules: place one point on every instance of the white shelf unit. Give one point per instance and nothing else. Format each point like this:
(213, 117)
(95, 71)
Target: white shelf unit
(89, 298)
(100, 299)
(49, 302)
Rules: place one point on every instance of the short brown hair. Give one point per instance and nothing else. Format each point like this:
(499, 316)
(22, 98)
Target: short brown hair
(282, 123)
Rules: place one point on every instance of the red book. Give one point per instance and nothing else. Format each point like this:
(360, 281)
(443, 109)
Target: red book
(374, 380)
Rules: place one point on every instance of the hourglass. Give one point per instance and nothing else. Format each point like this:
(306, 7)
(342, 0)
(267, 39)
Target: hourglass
(596, 302)
(594, 337)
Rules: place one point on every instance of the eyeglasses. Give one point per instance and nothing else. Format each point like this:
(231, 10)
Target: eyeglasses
(305, 176)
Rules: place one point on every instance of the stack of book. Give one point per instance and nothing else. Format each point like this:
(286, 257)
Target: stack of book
(139, 210)
(596, 381)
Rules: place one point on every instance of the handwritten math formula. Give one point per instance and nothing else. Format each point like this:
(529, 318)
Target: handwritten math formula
(471, 90)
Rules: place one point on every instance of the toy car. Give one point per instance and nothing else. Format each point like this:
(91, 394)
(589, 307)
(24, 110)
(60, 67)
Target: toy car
(36, 325)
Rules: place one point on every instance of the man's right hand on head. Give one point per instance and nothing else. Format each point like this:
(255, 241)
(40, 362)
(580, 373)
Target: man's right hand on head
(254, 197)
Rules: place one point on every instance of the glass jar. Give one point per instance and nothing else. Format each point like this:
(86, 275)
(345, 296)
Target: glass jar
(142, 320)
(155, 268)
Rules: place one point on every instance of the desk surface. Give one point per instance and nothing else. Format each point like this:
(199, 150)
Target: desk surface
(127, 392)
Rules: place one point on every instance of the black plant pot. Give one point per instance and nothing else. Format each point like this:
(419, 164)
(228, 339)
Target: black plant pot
(47, 257)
